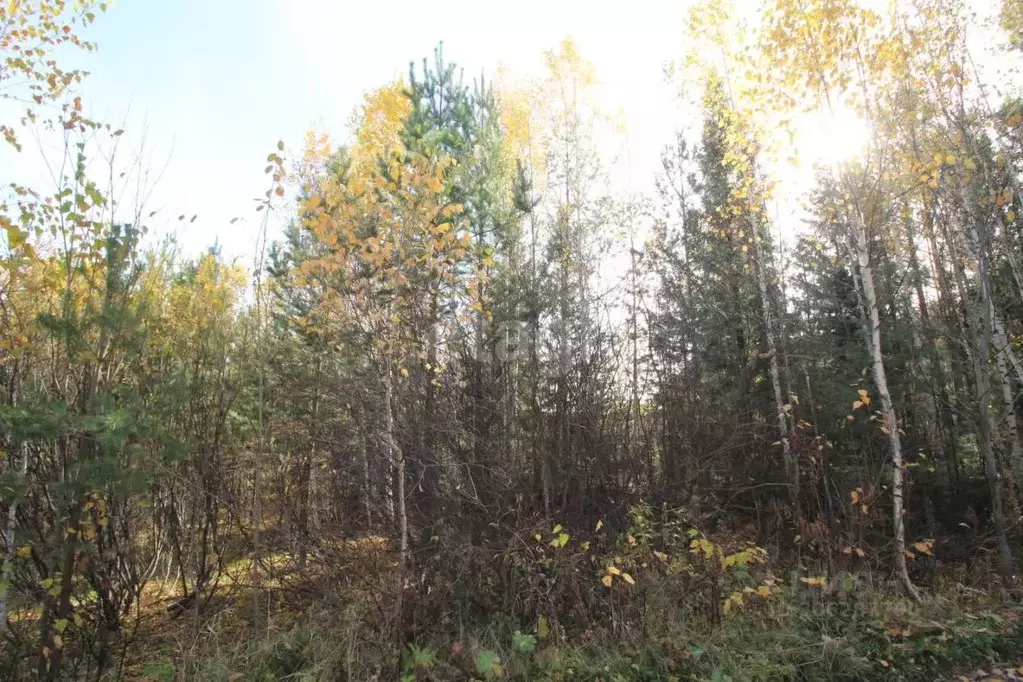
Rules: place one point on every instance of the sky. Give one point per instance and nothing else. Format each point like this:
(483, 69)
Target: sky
(207, 87)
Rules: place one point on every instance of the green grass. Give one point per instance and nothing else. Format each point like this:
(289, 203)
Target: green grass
(861, 636)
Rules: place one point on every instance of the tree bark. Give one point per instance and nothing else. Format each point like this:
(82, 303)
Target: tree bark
(887, 408)
(981, 355)
(791, 465)
(397, 459)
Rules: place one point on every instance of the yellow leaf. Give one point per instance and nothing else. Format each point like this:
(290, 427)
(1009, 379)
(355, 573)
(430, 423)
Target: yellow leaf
(404, 372)
(702, 545)
(542, 628)
(15, 237)
(764, 591)
(857, 404)
(628, 578)
(950, 160)
(613, 570)
(600, 524)
(607, 580)
(813, 581)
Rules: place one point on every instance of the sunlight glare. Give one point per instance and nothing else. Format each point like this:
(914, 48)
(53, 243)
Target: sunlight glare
(830, 139)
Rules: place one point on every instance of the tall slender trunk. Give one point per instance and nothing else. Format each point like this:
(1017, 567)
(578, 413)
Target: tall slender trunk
(1011, 428)
(981, 369)
(791, 465)
(632, 422)
(306, 477)
(367, 486)
(429, 459)
(1002, 345)
(891, 422)
(948, 313)
(9, 531)
(923, 345)
(397, 460)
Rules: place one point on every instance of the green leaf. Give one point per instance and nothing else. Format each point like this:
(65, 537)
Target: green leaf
(488, 664)
(524, 644)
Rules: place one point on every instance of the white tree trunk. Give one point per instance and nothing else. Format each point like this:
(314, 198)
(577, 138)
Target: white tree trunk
(397, 460)
(12, 526)
(1002, 346)
(791, 465)
(887, 408)
(1011, 425)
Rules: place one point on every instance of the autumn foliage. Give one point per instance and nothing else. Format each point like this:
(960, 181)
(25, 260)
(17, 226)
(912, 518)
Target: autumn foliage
(475, 412)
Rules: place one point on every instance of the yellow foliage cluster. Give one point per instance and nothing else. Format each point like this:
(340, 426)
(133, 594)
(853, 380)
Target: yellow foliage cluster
(393, 238)
(190, 312)
(737, 599)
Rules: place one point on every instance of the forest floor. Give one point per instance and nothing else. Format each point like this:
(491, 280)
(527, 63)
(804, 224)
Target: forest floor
(998, 672)
(312, 629)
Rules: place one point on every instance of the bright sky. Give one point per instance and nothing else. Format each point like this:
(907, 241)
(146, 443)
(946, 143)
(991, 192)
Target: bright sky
(213, 85)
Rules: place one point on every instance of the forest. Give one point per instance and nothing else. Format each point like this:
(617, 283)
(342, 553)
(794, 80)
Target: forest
(474, 411)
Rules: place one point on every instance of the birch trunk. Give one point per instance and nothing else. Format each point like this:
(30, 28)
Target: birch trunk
(12, 526)
(981, 370)
(887, 408)
(791, 465)
(397, 460)
(1011, 426)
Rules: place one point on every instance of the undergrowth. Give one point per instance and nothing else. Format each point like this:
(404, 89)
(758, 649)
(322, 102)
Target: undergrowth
(864, 635)
(660, 601)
